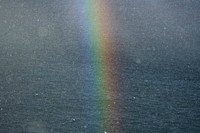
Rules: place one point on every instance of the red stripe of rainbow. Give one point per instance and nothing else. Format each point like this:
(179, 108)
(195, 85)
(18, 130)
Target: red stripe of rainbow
(98, 22)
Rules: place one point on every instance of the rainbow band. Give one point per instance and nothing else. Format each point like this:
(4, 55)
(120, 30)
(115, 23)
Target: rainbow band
(98, 38)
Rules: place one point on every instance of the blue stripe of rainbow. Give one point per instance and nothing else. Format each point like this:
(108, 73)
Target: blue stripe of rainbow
(99, 47)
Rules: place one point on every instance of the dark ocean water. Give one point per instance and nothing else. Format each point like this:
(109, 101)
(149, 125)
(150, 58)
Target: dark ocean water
(44, 67)
(49, 95)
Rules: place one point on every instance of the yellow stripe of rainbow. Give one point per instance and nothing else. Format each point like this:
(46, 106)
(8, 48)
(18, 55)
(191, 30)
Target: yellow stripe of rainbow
(101, 44)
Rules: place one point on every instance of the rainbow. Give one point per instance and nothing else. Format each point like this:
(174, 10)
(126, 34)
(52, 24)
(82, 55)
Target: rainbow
(99, 51)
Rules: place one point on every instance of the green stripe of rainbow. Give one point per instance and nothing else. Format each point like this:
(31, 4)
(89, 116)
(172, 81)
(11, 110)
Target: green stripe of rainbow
(101, 44)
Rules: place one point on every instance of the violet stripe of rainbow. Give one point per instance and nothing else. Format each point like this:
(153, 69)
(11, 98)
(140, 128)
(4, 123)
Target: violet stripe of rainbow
(97, 27)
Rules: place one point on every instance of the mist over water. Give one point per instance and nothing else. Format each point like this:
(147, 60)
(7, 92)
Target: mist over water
(42, 81)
